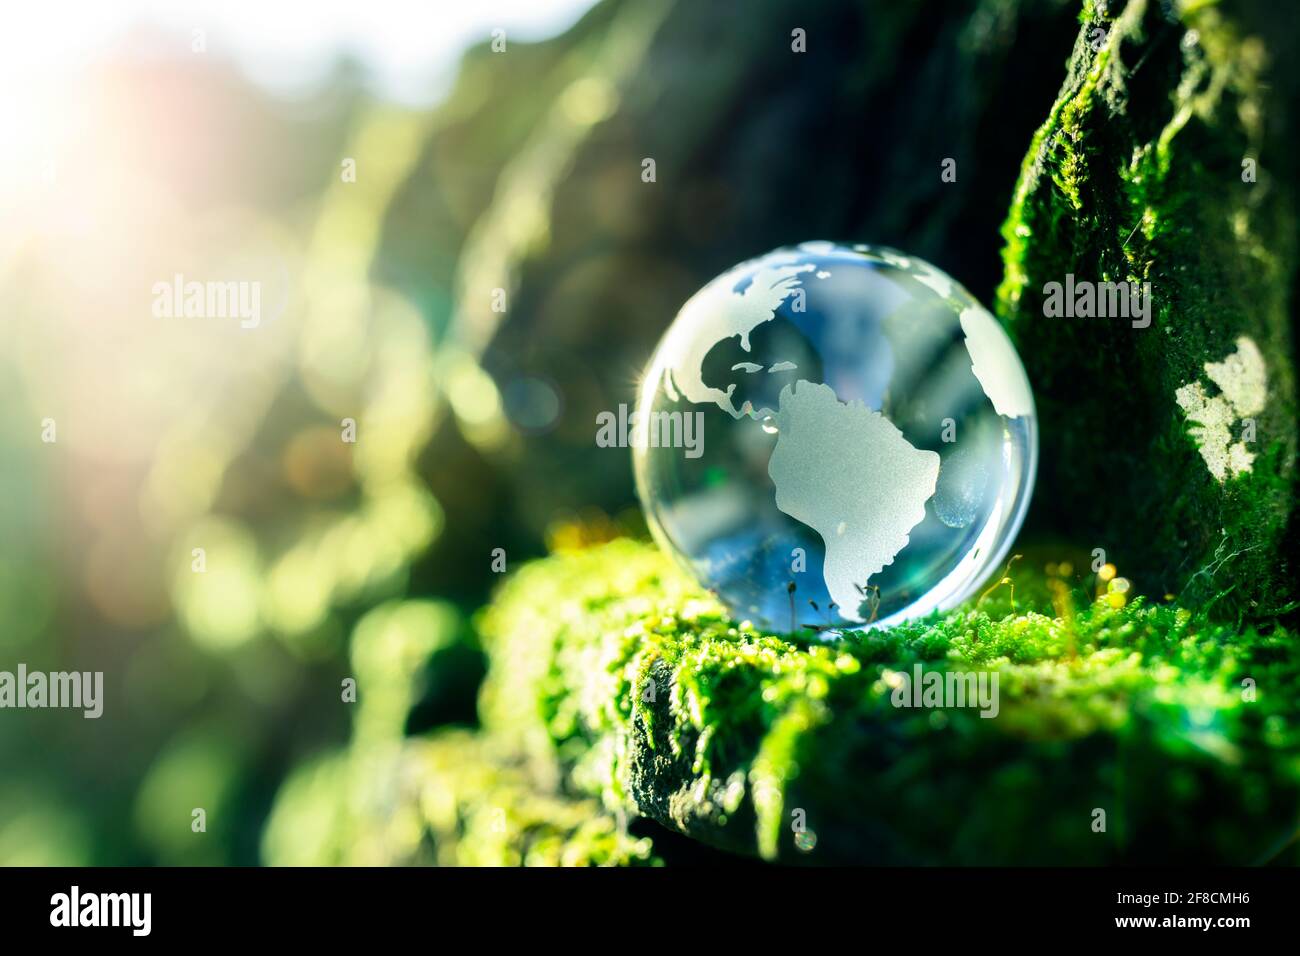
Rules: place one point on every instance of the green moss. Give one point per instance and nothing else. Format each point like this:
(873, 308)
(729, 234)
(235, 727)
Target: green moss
(1138, 711)
(452, 799)
(1137, 175)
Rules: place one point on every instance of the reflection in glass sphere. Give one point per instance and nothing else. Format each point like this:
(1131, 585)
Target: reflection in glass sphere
(835, 436)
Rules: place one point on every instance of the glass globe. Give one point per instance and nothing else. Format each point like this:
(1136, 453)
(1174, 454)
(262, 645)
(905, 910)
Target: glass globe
(834, 437)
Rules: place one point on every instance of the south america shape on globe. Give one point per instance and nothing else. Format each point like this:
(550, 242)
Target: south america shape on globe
(839, 465)
(866, 504)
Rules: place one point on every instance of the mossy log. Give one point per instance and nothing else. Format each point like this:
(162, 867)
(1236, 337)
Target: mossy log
(1176, 736)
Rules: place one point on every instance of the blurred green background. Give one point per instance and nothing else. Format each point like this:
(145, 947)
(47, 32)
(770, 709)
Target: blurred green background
(218, 141)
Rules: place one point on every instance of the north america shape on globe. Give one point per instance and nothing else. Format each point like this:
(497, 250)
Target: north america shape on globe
(864, 498)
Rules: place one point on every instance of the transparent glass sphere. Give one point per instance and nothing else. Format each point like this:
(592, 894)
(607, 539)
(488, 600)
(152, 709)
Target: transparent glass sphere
(836, 437)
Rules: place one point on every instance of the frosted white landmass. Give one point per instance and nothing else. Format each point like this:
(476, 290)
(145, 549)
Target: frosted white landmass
(848, 473)
(933, 279)
(1243, 385)
(716, 313)
(995, 364)
(893, 258)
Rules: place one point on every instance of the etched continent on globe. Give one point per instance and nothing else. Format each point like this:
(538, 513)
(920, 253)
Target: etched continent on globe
(717, 313)
(851, 476)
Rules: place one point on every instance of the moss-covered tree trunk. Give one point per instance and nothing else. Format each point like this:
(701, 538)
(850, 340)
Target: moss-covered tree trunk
(1169, 445)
